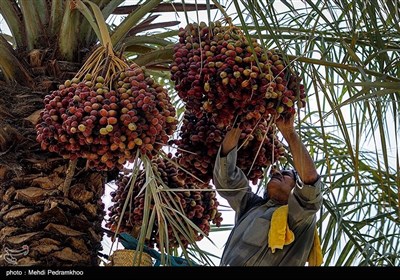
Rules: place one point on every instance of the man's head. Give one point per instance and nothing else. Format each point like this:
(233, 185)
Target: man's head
(280, 184)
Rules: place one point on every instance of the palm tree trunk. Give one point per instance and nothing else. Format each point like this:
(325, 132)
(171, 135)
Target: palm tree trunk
(39, 224)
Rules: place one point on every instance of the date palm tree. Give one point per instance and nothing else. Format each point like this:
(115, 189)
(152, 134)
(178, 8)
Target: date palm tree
(42, 222)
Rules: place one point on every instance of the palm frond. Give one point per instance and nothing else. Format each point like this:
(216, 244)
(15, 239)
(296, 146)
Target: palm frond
(11, 68)
(13, 17)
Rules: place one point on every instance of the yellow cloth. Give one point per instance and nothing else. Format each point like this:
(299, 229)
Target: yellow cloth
(279, 232)
(315, 258)
(280, 235)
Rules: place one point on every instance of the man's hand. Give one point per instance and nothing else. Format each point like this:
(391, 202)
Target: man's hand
(285, 124)
(230, 141)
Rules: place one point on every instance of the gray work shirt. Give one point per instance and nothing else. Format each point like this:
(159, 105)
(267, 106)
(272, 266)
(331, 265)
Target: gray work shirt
(247, 244)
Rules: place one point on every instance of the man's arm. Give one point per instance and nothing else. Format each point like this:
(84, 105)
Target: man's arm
(302, 160)
(306, 200)
(230, 141)
(228, 176)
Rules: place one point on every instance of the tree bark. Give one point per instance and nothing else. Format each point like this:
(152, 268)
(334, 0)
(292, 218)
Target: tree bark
(38, 224)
